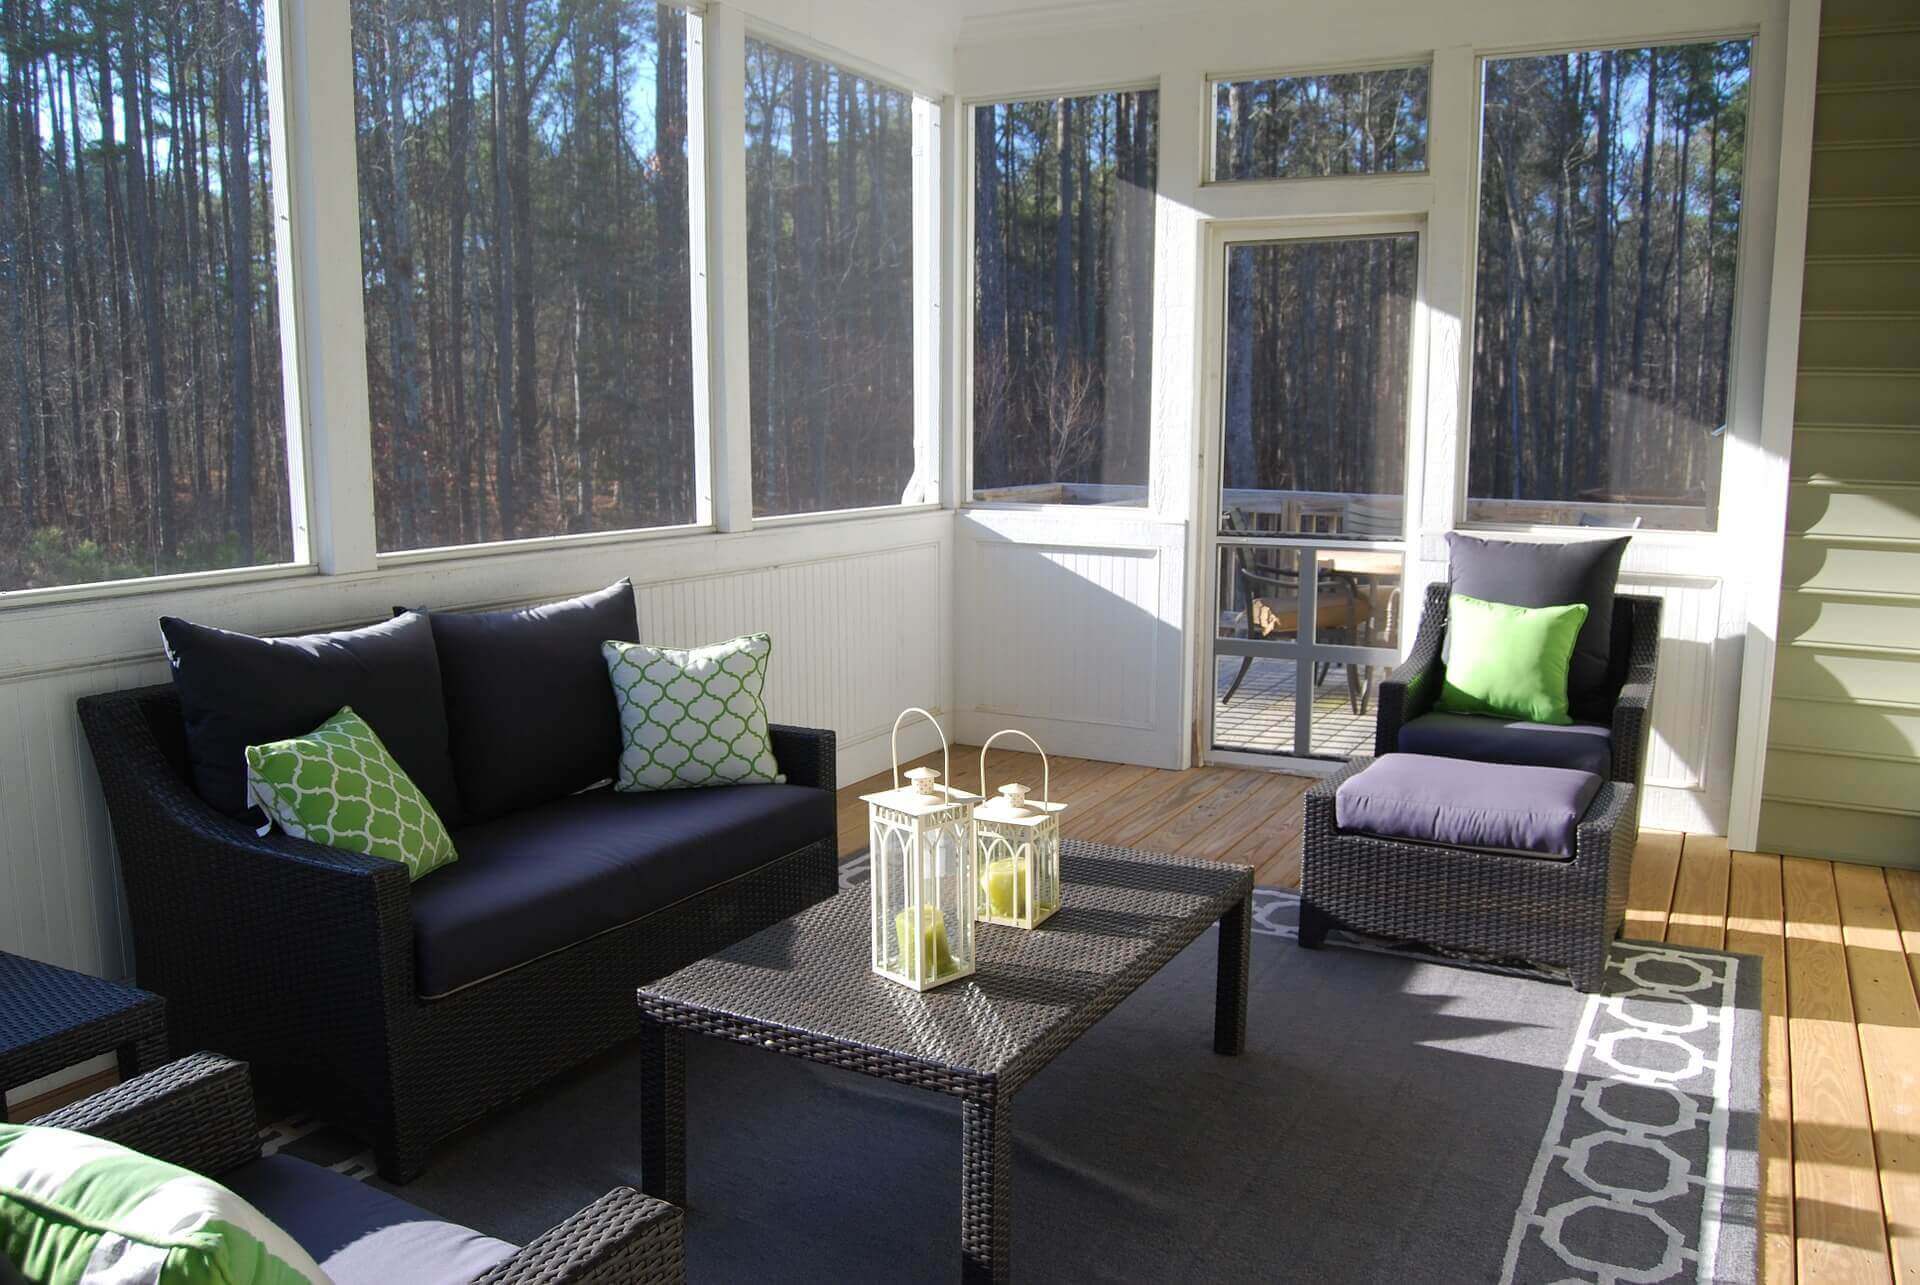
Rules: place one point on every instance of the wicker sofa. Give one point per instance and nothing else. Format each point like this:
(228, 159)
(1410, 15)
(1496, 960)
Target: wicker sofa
(198, 1113)
(308, 961)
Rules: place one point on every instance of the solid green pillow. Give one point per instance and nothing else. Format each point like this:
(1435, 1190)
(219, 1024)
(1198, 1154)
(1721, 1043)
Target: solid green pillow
(1509, 661)
(338, 786)
(76, 1209)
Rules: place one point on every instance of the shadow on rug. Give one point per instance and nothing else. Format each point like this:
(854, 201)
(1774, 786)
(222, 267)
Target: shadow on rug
(1393, 1118)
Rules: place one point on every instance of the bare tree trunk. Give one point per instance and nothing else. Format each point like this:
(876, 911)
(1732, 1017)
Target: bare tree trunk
(237, 184)
(1065, 317)
(507, 446)
(459, 139)
(133, 75)
(397, 269)
(1242, 464)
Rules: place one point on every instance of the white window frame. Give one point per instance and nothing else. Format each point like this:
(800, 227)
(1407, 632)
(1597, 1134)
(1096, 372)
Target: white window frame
(1209, 174)
(964, 329)
(1745, 349)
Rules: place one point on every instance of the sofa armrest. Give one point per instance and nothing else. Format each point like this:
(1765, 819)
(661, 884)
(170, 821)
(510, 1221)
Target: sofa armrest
(623, 1238)
(196, 1112)
(1410, 690)
(1633, 708)
(807, 755)
(268, 947)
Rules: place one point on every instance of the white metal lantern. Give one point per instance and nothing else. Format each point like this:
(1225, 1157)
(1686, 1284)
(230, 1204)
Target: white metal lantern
(1017, 847)
(921, 838)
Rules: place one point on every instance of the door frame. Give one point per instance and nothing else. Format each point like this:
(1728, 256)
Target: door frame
(1218, 236)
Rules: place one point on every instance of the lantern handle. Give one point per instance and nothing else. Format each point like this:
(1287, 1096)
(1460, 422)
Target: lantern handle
(946, 762)
(1046, 769)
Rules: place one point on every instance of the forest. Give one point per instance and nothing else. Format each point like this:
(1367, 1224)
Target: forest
(1063, 290)
(1317, 339)
(830, 284)
(524, 244)
(1609, 225)
(142, 427)
(1355, 122)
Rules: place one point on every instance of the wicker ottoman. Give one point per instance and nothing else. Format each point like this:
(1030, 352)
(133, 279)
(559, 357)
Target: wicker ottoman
(1558, 912)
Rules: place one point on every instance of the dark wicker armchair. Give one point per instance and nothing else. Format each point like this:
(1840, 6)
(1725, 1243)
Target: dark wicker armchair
(198, 1113)
(1492, 905)
(1411, 690)
(300, 958)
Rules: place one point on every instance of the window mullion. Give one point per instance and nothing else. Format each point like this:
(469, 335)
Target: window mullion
(718, 187)
(317, 221)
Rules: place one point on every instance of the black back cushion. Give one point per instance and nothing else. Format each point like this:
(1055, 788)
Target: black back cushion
(530, 708)
(1528, 573)
(237, 690)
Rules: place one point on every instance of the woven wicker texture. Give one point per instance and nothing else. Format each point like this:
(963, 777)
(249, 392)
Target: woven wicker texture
(306, 970)
(806, 988)
(198, 1113)
(51, 1018)
(1536, 910)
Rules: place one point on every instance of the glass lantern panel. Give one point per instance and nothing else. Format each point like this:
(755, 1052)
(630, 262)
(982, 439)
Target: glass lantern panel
(1046, 879)
(1006, 890)
(892, 844)
(946, 895)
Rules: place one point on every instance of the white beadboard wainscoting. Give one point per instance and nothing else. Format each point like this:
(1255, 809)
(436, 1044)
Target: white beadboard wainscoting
(1070, 626)
(860, 614)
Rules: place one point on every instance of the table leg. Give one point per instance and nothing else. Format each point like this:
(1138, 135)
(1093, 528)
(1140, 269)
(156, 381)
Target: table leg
(663, 1112)
(1230, 984)
(986, 1204)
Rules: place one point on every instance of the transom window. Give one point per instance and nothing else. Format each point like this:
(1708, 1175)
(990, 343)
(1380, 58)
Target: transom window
(1320, 126)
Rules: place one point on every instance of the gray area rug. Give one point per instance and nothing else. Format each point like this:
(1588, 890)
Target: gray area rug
(1394, 1118)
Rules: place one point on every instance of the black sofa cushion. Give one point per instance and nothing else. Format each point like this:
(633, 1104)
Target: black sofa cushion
(551, 876)
(1530, 573)
(237, 690)
(1584, 747)
(530, 711)
(359, 1234)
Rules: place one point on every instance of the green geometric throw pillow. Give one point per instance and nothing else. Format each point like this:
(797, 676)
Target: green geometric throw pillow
(338, 786)
(691, 717)
(75, 1210)
(1509, 661)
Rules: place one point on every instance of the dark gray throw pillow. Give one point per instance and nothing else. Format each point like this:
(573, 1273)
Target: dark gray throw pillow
(1530, 573)
(530, 710)
(237, 690)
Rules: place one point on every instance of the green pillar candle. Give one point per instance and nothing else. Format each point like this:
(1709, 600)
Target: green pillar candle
(1005, 887)
(932, 943)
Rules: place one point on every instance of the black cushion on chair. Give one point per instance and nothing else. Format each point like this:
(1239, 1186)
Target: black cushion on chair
(1529, 573)
(359, 1234)
(1585, 747)
(552, 876)
(530, 710)
(237, 690)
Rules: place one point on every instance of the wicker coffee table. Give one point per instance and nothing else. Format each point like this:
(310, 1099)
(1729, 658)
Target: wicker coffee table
(52, 1017)
(805, 988)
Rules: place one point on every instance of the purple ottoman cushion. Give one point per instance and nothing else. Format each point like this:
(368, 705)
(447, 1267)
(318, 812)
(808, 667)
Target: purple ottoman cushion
(1467, 805)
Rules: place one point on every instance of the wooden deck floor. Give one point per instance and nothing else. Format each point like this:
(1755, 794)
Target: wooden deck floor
(1840, 1139)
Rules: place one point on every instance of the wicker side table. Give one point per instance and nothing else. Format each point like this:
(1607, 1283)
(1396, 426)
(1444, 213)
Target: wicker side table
(51, 1018)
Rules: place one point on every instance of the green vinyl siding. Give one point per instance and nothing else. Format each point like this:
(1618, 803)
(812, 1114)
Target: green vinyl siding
(1843, 756)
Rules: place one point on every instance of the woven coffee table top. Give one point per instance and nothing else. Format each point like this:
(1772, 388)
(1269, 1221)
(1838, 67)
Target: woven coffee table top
(806, 986)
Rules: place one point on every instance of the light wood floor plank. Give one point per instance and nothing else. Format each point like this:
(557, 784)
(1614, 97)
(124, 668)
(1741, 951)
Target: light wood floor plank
(1267, 806)
(1887, 1017)
(1699, 914)
(1904, 886)
(1650, 892)
(1756, 926)
(1149, 811)
(1180, 830)
(1838, 1229)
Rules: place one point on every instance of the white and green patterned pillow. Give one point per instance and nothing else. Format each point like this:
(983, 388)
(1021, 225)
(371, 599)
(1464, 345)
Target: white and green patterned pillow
(338, 786)
(79, 1210)
(691, 717)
